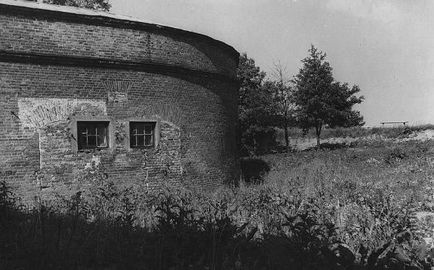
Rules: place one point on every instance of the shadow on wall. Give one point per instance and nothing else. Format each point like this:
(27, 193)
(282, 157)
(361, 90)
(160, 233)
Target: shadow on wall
(253, 170)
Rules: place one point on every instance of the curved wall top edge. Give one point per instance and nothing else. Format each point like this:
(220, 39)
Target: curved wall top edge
(98, 15)
(92, 17)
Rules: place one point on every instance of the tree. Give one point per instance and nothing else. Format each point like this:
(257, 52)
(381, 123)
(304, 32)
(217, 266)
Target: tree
(103, 5)
(255, 106)
(320, 100)
(282, 93)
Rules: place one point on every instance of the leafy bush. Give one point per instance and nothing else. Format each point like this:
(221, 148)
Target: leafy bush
(395, 155)
(253, 170)
(258, 140)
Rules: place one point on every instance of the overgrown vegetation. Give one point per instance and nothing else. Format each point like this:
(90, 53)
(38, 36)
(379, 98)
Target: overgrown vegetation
(328, 209)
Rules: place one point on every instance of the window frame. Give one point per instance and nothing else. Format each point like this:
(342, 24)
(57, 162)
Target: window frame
(156, 133)
(75, 134)
(96, 125)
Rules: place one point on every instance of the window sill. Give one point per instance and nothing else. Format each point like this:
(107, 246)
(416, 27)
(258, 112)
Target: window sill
(92, 150)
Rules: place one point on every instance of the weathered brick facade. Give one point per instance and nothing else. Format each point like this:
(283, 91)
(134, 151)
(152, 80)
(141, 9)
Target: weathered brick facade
(62, 65)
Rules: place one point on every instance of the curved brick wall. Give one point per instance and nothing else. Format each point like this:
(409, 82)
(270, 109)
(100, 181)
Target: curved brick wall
(59, 66)
(76, 35)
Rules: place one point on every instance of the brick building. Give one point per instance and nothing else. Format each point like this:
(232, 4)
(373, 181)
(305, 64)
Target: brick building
(144, 102)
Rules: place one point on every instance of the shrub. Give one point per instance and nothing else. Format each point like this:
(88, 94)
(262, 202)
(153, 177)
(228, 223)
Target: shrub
(253, 170)
(395, 155)
(258, 141)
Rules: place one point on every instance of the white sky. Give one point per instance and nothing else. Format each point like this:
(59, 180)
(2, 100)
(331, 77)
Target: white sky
(384, 46)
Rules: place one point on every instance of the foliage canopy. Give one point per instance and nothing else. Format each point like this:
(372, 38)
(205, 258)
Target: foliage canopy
(256, 108)
(320, 100)
(281, 92)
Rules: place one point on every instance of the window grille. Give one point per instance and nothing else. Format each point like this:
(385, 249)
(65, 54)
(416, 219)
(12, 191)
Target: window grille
(142, 134)
(92, 134)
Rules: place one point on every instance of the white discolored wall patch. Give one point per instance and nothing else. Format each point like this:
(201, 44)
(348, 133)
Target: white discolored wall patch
(172, 125)
(36, 113)
(95, 161)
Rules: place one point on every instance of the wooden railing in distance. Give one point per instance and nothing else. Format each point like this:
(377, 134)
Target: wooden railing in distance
(394, 122)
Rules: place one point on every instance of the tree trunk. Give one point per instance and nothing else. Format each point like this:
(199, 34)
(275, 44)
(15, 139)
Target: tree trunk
(318, 134)
(286, 138)
(285, 126)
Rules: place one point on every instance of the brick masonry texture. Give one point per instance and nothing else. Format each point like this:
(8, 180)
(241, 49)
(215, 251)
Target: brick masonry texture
(191, 95)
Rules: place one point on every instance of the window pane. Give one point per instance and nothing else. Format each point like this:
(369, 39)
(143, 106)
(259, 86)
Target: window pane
(149, 128)
(133, 141)
(102, 139)
(82, 140)
(92, 134)
(91, 130)
(91, 141)
(140, 128)
(148, 140)
(140, 141)
(81, 130)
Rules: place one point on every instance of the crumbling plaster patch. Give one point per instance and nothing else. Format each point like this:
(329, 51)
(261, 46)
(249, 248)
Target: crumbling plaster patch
(40, 114)
(37, 113)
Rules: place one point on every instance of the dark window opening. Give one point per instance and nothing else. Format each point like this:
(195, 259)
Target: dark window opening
(92, 134)
(142, 134)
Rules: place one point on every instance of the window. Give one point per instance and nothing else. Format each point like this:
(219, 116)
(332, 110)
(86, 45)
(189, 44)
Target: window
(92, 134)
(142, 134)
